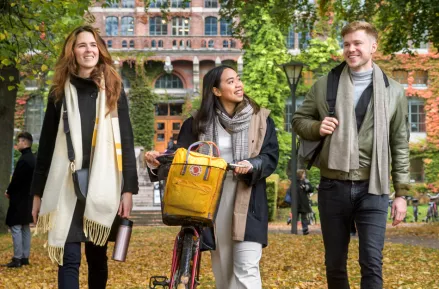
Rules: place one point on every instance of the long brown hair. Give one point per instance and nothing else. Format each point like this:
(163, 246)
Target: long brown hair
(67, 65)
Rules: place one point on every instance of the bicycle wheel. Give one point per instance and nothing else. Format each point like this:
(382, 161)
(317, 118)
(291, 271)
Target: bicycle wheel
(183, 278)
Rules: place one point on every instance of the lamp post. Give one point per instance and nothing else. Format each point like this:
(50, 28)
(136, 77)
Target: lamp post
(293, 71)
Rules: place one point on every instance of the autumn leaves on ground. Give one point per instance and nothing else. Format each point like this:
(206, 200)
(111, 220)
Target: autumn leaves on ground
(289, 261)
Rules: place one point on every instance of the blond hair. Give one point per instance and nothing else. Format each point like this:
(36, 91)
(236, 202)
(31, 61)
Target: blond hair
(360, 25)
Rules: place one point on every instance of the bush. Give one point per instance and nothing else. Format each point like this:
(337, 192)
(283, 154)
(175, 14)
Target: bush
(284, 185)
(272, 189)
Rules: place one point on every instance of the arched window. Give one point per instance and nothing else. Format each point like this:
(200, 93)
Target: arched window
(112, 5)
(169, 81)
(180, 26)
(211, 43)
(211, 26)
(304, 39)
(131, 43)
(226, 27)
(158, 4)
(174, 43)
(124, 44)
(232, 44)
(181, 43)
(225, 44)
(128, 3)
(179, 4)
(188, 44)
(111, 26)
(153, 44)
(203, 43)
(158, 26)
(160, 43)
(211, 3)
(109, 43)
(127, 26)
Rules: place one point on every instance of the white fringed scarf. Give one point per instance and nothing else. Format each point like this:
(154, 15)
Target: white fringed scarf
(104, 190)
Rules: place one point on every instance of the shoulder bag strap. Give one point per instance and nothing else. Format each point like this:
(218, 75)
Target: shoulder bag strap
(70, 151)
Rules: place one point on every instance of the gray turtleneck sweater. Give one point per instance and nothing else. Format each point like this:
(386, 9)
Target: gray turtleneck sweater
(361, 82)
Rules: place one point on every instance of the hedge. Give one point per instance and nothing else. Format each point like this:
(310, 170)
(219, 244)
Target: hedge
(272, 190)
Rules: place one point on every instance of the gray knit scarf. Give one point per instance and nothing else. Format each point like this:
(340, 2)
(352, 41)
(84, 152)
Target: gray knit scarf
(237, 126)
(343, 150)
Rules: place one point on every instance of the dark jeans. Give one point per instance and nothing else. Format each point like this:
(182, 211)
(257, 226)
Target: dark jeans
(341, 202)
(68, 274)
(305, 222)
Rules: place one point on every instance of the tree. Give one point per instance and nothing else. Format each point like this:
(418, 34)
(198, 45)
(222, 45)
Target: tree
(31, 35)
(401, 23)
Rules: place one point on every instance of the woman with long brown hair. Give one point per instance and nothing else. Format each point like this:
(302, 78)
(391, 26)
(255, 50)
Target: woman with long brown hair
(95, 125)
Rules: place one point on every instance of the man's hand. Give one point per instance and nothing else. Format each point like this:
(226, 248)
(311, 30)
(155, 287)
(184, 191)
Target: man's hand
(328, 125)
(399, 209)
(36, 208)
(150, 158)
(242, 171)
(6, 195)
(126, 205)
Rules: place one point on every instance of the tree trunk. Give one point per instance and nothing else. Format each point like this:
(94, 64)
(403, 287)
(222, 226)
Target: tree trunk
(7, 110)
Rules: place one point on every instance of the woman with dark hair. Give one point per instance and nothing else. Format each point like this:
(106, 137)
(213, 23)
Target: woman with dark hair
(245, 135)
(89, 92)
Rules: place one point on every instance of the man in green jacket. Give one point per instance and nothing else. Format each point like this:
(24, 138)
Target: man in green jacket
(365, 141)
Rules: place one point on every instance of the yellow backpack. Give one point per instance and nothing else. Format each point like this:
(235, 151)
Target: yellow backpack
(193, 186)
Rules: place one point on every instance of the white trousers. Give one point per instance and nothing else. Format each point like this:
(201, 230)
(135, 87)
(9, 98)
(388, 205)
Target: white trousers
(235, 264)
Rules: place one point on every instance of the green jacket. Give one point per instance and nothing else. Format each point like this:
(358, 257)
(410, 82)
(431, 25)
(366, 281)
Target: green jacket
(306, 123)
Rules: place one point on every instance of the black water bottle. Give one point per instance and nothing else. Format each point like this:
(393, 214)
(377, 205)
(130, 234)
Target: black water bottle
(122, 240)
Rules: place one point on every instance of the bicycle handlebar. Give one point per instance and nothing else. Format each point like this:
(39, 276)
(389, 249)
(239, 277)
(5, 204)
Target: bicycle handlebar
(432, 197)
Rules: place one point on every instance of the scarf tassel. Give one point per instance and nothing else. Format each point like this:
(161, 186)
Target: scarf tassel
(44, 223)
(97, 233)
(56, 254)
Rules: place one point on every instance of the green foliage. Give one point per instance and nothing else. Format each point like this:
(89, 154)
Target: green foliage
(264, 80)
(142, 101)
(272, 189)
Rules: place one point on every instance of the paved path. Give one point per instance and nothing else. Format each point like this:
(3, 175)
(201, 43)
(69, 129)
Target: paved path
(406, 239)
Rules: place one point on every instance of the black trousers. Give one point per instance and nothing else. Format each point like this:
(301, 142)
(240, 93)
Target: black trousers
(68, 274)
(341, 203)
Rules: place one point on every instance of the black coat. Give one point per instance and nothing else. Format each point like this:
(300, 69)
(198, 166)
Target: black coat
(263, 165)
(20, 198)
(304, 188)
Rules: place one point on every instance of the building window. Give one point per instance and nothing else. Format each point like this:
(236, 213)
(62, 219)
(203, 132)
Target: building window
(210, 43)
(180, 26)
(211, 3)
(400, 76)
(153, 44)
(124, 44)
(34, 116)
(188, 44)
(203, 43)
(158, 26)
(179, 4)
(289, 112)
(211, 26)
(225, 44)
(291, 38)
(416, 115)
(131, 43)
(111, 26)
(226, 27)
(416, 170)
(109, 44)
(420, 78)
(308, 78)
(174, 43)
(169, 81)
(232, 43)
(127, 26)
(304, 39)
(158, 4)
(181, 43)
(128, 3)
(160, 44)
(112, 5)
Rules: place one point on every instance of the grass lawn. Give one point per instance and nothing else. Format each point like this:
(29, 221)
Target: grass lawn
(290, 261)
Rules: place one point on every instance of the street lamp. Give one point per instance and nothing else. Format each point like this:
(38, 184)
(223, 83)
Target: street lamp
(293, 71)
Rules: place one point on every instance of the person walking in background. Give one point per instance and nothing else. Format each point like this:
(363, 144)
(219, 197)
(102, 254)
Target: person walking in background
(365, 142)
(89, 93)
(19, 214)
(246, 135)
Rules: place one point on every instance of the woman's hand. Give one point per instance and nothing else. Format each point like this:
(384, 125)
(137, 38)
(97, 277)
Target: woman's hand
(36, 208)
(150, 158)
(248, 167)
(126, 205)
